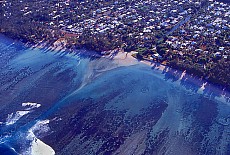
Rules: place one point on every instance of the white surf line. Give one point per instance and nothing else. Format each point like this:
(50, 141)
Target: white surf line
(31, 105)
(14, 117)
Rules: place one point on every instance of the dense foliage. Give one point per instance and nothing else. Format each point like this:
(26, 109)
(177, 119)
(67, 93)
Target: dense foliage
(129, 24)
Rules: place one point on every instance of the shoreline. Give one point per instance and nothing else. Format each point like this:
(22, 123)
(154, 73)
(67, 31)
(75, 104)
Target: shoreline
(205, 88)
(123, 58)
(144, 78)
(126, 58)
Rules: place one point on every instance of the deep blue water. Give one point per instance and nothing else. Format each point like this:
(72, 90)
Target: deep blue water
(95, 106)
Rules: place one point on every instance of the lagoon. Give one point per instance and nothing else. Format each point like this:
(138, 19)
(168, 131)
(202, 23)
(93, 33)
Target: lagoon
(77, 104)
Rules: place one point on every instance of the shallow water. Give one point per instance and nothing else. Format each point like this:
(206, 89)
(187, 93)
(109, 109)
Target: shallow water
(98, 107)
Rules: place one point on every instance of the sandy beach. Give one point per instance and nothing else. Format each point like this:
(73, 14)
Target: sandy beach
(122, 58)
(139, 99)
(126, 59)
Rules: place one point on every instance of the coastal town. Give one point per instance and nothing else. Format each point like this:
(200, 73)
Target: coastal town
(191, 35)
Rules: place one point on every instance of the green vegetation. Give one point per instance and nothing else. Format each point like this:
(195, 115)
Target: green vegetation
(157, 30)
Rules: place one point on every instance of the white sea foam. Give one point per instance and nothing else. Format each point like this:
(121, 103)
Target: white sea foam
(40, 148)
(31, 105)
(14, 117)
(40, 126)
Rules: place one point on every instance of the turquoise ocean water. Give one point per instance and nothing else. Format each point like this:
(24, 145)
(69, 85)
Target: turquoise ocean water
(78, 104)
